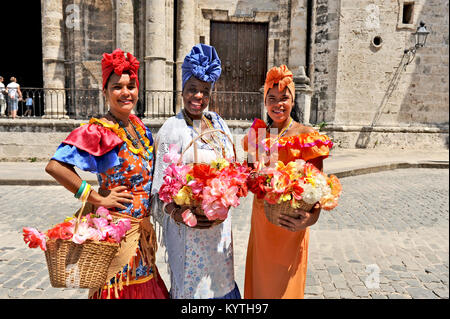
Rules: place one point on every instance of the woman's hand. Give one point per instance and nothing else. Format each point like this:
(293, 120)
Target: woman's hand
(176, 212)
(302, 220)
(115, 197)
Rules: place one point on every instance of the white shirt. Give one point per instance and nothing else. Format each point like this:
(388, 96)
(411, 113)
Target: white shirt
(2, 88)
(12, 89)
(200, 261)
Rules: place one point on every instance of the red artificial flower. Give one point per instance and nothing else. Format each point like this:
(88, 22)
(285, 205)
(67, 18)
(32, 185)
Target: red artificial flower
(109, 239)
(61, 231)
(297, 191)
(256, 184)
(204, 172)
(34, 238)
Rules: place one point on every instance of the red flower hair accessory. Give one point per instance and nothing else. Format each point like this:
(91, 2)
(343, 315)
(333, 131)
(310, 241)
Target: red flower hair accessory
(117, 62)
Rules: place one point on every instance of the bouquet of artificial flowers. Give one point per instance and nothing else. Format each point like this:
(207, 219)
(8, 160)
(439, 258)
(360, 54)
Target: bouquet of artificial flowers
(80, 250)
(296, 185)
(98, 226)
(210, 188)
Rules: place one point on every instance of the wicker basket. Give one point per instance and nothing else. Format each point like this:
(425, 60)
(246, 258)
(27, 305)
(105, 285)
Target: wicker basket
(273, 211)
(72, 265)
(197, 210)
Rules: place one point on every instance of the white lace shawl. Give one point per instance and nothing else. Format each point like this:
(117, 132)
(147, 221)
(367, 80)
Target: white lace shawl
(173, 235)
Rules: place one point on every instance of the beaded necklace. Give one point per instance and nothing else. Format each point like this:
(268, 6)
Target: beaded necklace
(214, 143)
(281, 134)
(144, 151)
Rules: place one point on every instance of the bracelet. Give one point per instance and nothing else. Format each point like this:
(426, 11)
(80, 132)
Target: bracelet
(81, 189)
(86, 193)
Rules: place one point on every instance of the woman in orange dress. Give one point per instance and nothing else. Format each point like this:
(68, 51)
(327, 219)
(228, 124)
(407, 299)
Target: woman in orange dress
(277, 255)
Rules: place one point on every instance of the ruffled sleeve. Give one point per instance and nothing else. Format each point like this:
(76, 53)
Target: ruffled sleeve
(90, 147)
(72, 155)
(307, 146)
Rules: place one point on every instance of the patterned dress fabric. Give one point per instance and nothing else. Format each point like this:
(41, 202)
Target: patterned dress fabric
(200, 260)
(137, 279)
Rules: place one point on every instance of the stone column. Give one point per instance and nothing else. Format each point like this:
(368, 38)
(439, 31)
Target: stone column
(125, 25)
(298, 36)
(297, 59)
(155, 56)
(53, 58)
(185, 39)
(303, 93)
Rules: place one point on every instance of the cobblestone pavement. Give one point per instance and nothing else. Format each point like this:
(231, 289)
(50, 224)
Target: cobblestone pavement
(388, 238)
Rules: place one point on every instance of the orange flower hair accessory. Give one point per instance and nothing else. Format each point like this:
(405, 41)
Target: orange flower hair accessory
(281, 76)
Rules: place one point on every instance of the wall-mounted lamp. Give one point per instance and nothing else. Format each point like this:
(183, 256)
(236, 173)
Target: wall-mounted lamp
(420, 36)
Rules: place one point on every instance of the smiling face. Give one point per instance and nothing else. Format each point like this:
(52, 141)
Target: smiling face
(121, 93)
(279, 104)
(196, 94)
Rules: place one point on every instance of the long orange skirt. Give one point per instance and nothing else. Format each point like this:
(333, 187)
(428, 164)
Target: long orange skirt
(276, 259)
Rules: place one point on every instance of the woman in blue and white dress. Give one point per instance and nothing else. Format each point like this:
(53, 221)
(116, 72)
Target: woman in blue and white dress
(200, 258)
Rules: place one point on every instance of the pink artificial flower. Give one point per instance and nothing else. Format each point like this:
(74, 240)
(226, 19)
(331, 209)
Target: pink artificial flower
(104, 212)
(173, 156)
(169, 188)
(121, 228)
(178, 172)
(84, 232)
(214, 191)
(189, 218)
(103, 226)
(229, 197)
(34, 238)
(196, 187)
(215, 210)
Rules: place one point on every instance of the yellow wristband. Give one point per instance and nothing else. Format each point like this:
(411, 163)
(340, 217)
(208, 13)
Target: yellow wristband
(86, 193)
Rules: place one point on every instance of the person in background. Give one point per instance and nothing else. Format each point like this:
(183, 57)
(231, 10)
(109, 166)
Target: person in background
(3, 94)
(14, 96)
(29, 105)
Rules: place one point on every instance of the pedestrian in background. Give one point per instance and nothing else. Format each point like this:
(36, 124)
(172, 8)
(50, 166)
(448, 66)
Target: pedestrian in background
(2, 97)
(14, 96)
(29, 105)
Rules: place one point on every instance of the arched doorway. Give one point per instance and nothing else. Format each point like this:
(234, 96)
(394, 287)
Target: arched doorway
(21, 48)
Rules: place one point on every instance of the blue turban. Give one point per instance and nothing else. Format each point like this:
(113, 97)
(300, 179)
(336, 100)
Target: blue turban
(203, 63)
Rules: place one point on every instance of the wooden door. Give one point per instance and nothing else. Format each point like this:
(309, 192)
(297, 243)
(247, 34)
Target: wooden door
(242, 48)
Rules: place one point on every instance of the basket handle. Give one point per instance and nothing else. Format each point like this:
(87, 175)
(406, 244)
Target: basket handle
(80, 212)
(198, 137)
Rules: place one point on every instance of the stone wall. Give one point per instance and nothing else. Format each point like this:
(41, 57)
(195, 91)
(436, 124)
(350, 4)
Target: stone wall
(362, 79)
(323, 67)
(374, 87)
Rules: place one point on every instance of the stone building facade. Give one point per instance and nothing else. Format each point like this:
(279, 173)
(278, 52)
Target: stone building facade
(363, 85)
(352, 76)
